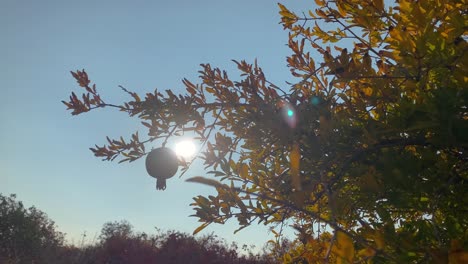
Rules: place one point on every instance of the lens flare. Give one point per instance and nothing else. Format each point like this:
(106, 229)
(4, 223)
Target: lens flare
(315, 100)
(289, 114)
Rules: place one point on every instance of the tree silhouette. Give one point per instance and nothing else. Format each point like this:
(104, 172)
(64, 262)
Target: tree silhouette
(120, 244)
(369, 143)
(27, 235)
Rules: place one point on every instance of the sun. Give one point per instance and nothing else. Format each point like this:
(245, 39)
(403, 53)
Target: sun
(185, 149)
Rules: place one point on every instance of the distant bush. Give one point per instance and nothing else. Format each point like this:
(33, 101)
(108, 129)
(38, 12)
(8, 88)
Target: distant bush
(29, 236)
(120, 244)
(26, 235)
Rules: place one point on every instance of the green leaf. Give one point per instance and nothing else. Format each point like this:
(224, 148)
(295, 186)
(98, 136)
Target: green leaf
(424, 199)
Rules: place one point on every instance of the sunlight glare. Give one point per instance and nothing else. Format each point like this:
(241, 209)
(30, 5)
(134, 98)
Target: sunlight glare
(185, 149)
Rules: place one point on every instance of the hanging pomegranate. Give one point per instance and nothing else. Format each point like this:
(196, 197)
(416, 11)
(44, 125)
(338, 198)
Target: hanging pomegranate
(162, 164)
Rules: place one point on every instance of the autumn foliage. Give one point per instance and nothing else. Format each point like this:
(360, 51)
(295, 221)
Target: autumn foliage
(366, 153)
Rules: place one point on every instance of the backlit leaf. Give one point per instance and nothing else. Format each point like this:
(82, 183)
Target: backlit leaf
(295, 159)
(200, 228)
(344, 246)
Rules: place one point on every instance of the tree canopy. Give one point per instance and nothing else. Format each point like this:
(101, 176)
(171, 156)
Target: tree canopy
(26, 234)
(365, 154)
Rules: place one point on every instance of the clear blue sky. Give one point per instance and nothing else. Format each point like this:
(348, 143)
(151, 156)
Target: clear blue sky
(142, 45)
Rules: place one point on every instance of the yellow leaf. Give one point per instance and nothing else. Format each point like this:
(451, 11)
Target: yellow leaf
(366, 253)
(405, 6)
(311, 14)
(288, 15)
(366, 60)
(321, 13)
(379, 240)
(341, 10)
(287, 258)
(395, 34)
(295, 158)
(344, 246)
(320, 2)
(274, 232)
(200, 228)
(282, 7)
(367, 91)
(285, 12)
(379, 5)
(244, 172)
(382, 66)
